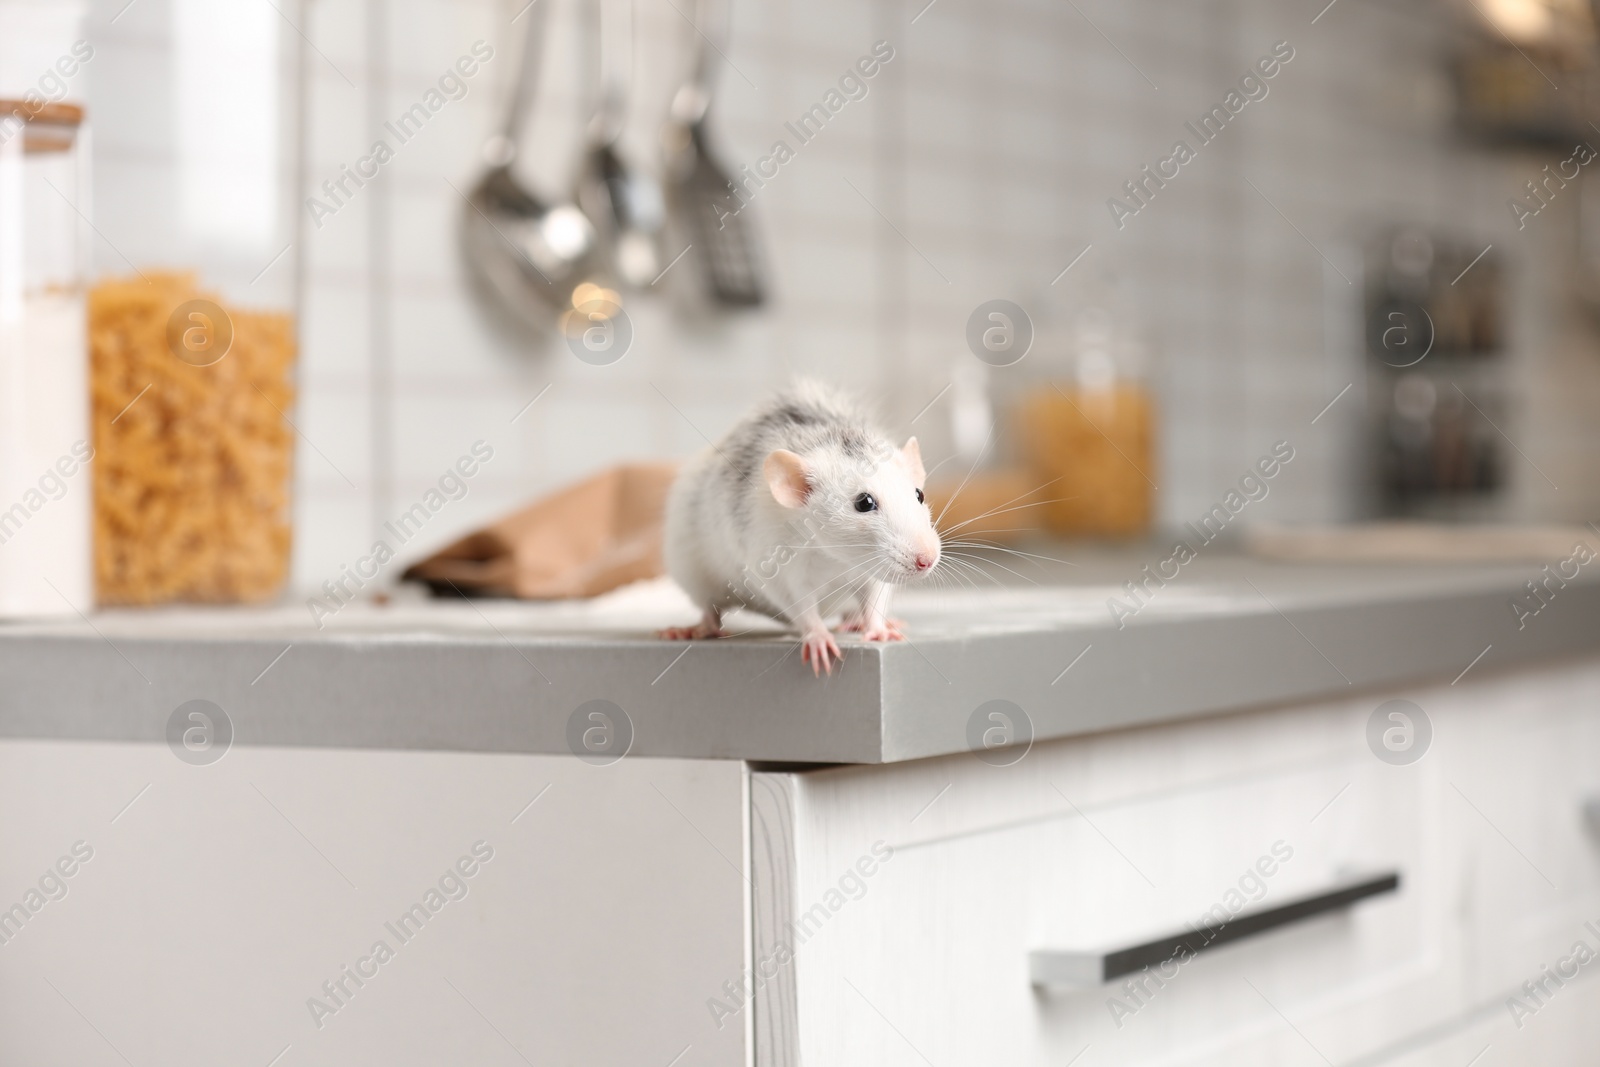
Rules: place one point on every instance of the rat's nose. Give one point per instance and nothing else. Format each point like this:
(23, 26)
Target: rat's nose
(925, 560)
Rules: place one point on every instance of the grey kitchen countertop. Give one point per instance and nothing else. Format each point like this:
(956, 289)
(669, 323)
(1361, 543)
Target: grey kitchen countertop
(1228, 633)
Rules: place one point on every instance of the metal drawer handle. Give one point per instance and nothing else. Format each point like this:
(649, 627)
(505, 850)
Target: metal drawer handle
(1088, 968)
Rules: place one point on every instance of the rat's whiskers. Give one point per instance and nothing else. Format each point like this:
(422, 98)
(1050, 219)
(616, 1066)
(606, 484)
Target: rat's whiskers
(991, 546)
(1002, 566)
(981, 452)
(955, 560)
(1001, 510)
(1003, 506)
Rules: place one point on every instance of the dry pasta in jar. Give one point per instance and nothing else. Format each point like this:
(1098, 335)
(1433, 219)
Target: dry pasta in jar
(193, 449)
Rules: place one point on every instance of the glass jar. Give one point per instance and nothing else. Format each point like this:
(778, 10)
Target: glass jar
(1087, 425)
(45, 538)
(193, 299)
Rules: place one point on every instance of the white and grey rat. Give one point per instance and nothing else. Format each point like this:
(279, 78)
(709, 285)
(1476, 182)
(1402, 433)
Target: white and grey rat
(803, 510)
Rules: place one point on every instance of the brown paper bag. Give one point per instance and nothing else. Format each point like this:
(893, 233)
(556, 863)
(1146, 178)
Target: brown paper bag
(584, 540)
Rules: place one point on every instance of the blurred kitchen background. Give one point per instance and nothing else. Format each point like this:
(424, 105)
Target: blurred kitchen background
(1250, 292)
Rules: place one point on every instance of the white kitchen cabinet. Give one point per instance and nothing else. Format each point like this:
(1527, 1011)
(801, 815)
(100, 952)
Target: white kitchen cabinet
(1101, 840)
(625, 910)
(220, 898)
(1515, 784)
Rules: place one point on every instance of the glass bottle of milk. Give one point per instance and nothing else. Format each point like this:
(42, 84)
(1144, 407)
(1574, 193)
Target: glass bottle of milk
(45, 448)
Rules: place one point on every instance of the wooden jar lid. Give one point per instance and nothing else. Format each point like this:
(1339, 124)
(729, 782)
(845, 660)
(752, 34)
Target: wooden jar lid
(49, 126)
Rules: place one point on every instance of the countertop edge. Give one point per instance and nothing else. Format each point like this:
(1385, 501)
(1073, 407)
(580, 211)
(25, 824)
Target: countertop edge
(752, 699)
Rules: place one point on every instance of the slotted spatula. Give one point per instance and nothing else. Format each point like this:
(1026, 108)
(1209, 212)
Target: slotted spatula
(700, 189)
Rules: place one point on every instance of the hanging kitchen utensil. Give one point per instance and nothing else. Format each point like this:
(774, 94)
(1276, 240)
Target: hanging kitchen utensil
(625, 203)
(700, 190)
(530, 256)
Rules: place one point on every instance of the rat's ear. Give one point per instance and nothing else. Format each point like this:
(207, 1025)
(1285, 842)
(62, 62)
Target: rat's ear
(787, 477)
(911, 456)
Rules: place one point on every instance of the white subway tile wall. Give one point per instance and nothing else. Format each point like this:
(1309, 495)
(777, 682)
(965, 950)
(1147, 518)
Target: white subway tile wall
(978, 165)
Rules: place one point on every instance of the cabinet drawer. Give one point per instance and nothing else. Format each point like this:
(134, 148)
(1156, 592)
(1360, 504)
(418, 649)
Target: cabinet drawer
(911, 898)
(1517, 771)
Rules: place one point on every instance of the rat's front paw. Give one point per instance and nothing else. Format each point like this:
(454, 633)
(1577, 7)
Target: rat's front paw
(872, 629)
(818, 648)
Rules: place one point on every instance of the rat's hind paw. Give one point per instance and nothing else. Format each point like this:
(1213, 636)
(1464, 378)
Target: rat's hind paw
(701, 630)
(819, 649)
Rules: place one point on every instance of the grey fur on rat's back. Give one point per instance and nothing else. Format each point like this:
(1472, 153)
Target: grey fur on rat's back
(802, 510)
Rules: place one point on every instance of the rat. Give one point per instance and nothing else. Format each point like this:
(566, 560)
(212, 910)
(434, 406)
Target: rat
(802, 511)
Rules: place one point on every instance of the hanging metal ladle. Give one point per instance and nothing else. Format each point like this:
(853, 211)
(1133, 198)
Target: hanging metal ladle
(532, 257)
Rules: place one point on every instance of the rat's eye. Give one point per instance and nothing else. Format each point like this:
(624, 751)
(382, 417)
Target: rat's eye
(865, 502)
(920, 498)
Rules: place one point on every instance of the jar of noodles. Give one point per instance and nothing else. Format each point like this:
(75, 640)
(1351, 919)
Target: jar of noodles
(191, 336)
(191, 399)
(45, 444)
